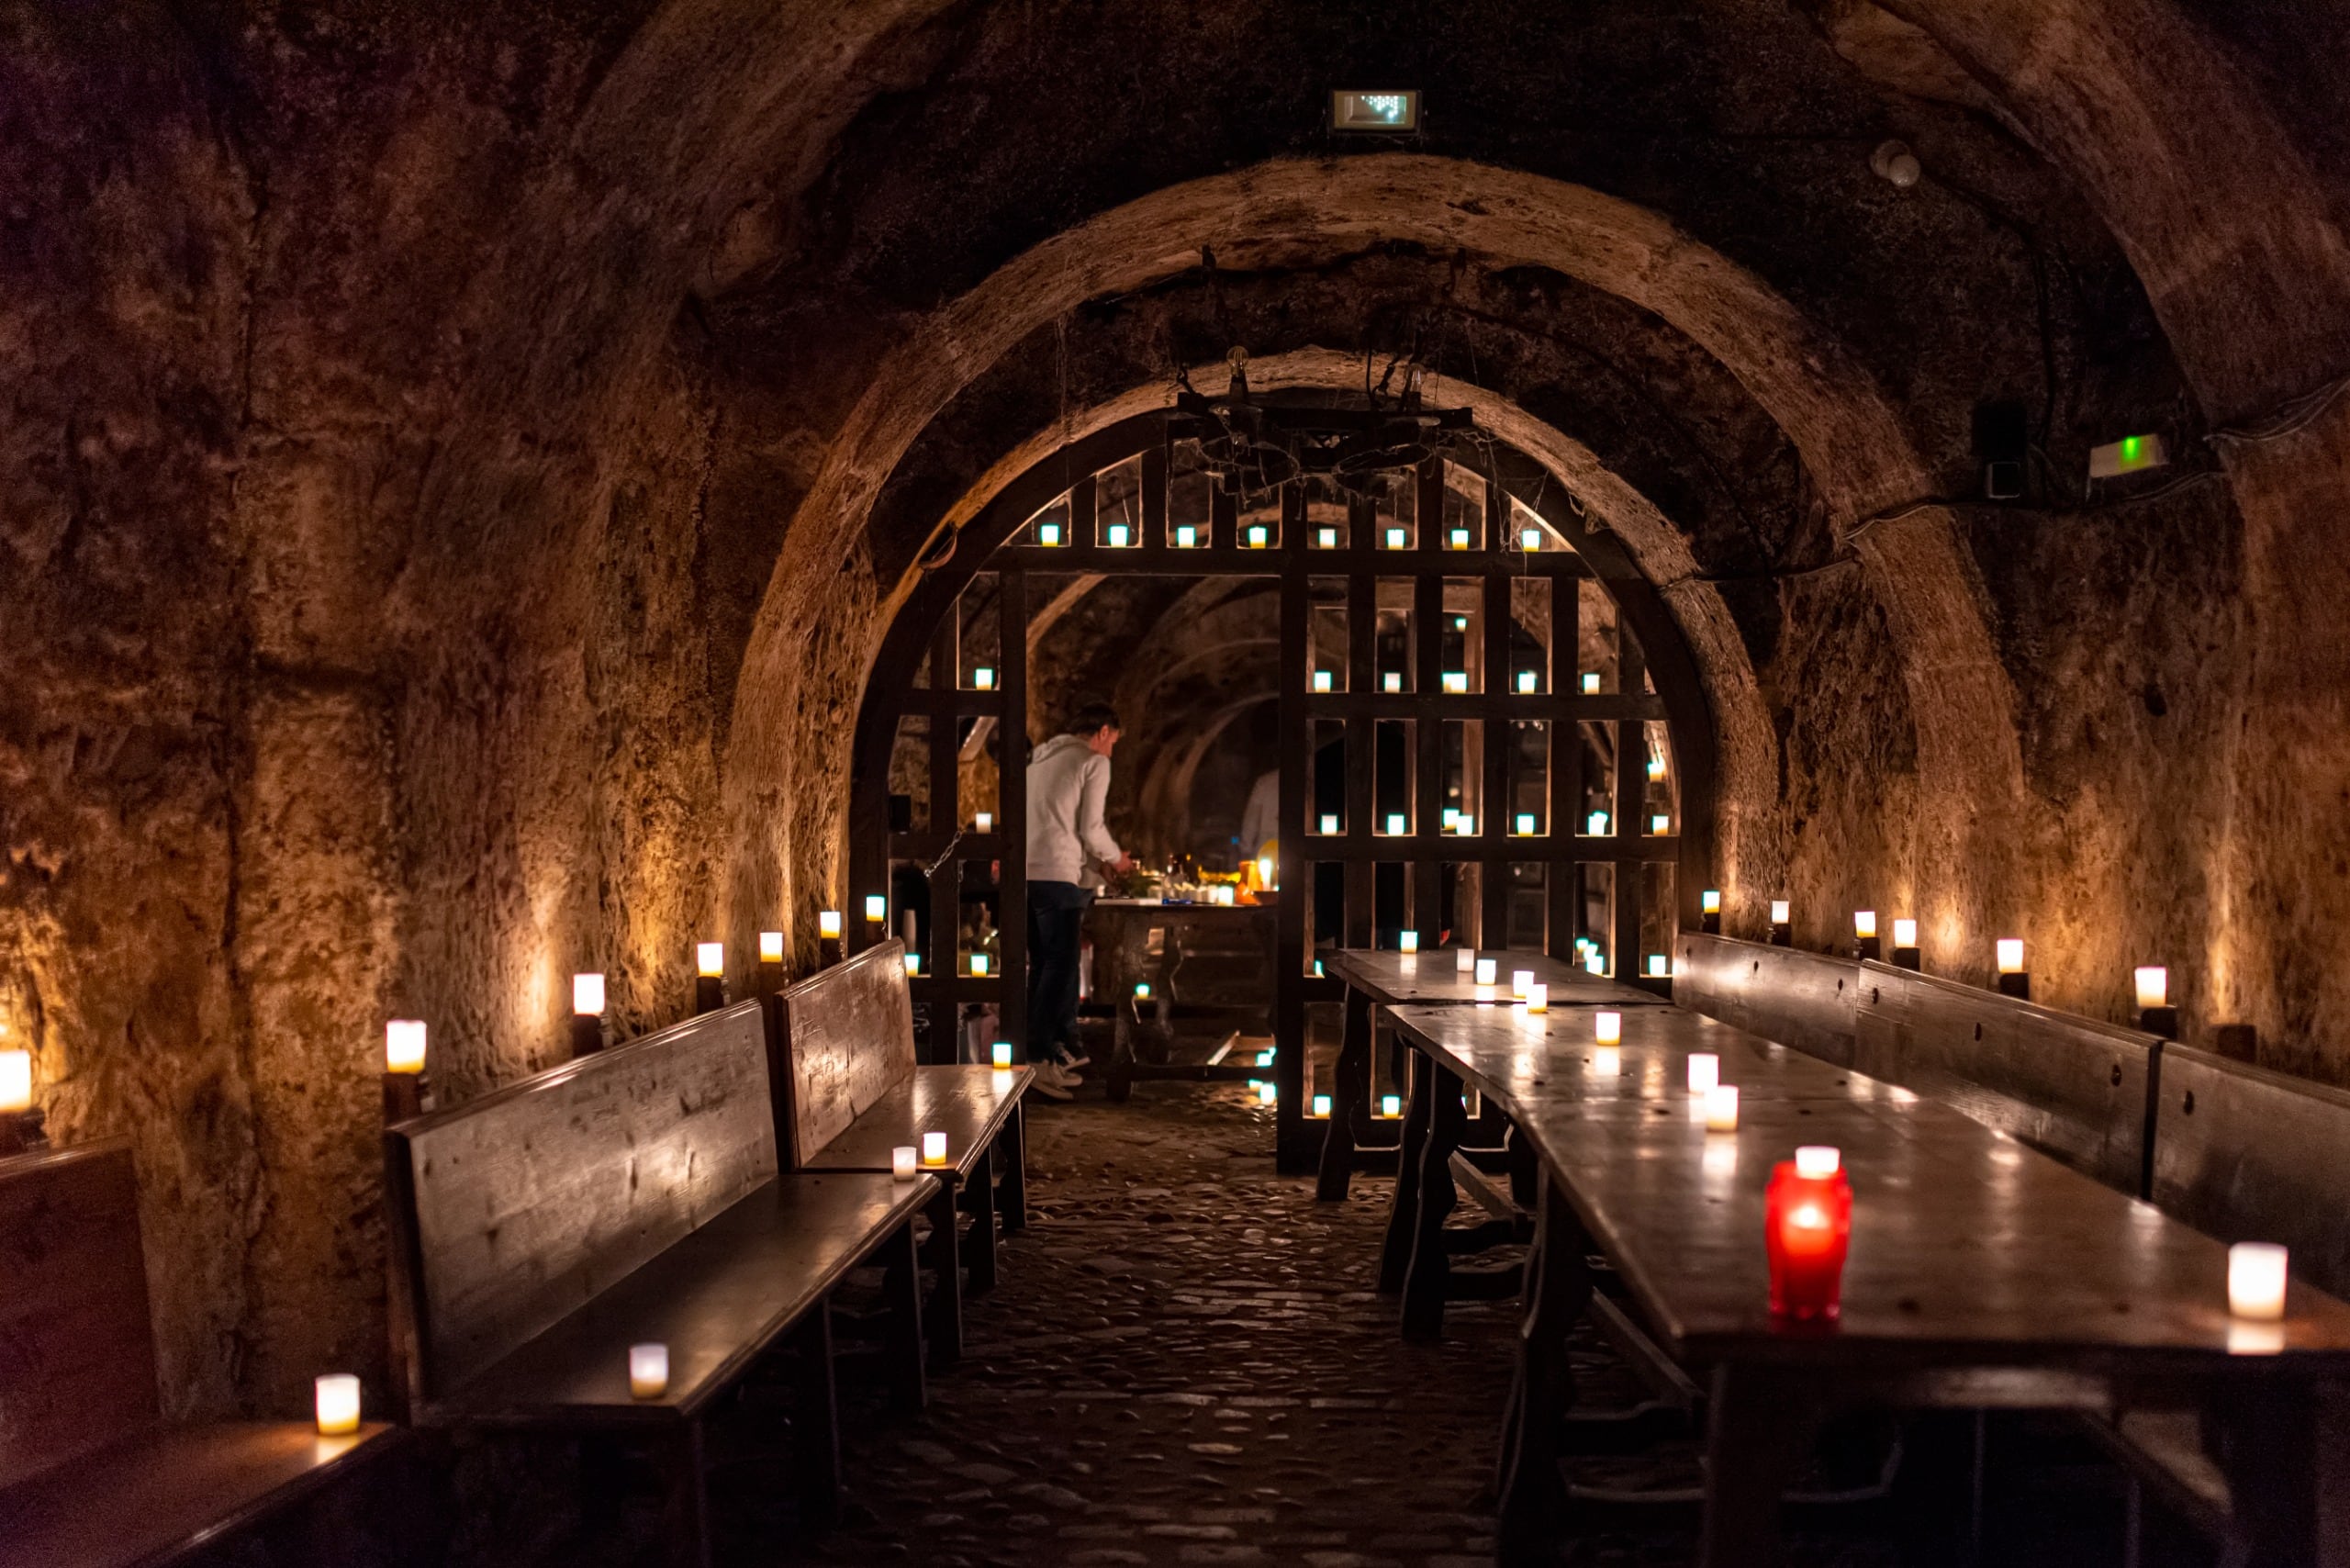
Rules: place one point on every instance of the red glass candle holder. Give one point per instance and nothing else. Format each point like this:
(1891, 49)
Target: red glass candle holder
(1807, 1226)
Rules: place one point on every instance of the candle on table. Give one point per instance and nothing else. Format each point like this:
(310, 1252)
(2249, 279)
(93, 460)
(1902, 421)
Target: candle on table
(901, 1162)
(1407, 941)
(1000, 1053)
(648, 1370)
(2257, 1274)
(1705, 1072)
(1520, 982)
(934, 1148)
(403, 1052)
(1464, 960)
(1608, 1027)
(337, 1396)
(1807, 1227)
(1537, 997)
(1721, 1108)
(1488, 971)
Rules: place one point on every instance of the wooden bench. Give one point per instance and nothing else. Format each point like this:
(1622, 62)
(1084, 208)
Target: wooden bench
(91, 1476)
(625, 1197)
(2071, 1087)
(1799, 999)
(848, 1092)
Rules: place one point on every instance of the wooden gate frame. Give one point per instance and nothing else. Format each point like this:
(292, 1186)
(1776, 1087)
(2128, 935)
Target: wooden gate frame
(929, 625)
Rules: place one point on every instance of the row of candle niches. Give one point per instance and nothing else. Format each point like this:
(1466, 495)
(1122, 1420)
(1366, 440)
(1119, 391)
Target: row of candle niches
(1523, 805)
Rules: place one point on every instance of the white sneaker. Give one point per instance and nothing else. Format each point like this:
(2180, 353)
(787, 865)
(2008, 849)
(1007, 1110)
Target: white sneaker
(1049, 1082)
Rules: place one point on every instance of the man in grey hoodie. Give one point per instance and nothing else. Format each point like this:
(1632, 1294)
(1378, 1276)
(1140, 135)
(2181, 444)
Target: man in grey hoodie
(1069, 847)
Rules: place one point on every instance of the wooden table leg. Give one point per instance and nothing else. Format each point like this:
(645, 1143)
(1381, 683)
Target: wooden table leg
(685, 1498)
(1012, 1197)
(979, 1248)
(1121, 1085)
(901, 1286)
(1349, 1098)
(816, 1422)
(2285, 1448)
(945, 1307)
(1762, 1422)
(1402, 1212)
(1532, 1498)
(1430, 1269)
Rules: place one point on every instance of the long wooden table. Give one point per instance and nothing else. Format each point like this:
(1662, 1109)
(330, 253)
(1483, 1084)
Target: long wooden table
(1374, 978)
(1982, 1275)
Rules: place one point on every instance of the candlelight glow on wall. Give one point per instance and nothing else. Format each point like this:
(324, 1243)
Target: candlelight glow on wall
(1407, 941)
(934, 1148)
(1705, 1072)
(588, 995)
(828, 925)
(1000, 1053)
(709, 959)
(1608, 1027)
(1721, 1108)
(2256, 1275)
(2011, 954)
(901, 1162)
(983, 677)
(770, 946)
(336, 1396)
(648, 1370)
(403, 1052)
(2153, 983)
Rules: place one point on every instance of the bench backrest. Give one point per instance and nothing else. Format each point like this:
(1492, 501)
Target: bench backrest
(1803, 1000)
(843, 1038)
(77, 1353)
(2072, 1087)
(2245, 1154)
(515, 1209)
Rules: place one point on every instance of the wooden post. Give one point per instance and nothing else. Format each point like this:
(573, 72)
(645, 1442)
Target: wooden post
(403, 1097)
(16, 1129)
(586, 1033)
(2162, 1020)
(2017, 984)
(1867, 948)
(710, 993)
(1906, 958)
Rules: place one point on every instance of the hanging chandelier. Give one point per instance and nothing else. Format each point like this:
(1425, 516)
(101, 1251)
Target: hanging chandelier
(1250, 445)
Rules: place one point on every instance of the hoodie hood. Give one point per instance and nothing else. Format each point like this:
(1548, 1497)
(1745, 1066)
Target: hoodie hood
(1054, 747)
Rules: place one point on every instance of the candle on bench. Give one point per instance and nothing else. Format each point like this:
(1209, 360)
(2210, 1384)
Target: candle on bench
(934, 1148)
(1865, 940)
(901, 1162)
(1782, 924)
(1407, 941)
(2256, 1274)
(648, 1370)
(403, 1069)
(1705, 1072)
(1807, 1227)
(1709, 912)
(1905, 945)
(337, 1396)
(710, 976)
(1537, 997)
(587, 1014)
(2155, 1014)
(770, 962)
(2013, 980)
(1721, 1108)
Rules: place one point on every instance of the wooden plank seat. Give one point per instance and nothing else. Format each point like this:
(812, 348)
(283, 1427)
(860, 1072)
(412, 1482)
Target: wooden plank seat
(848, 1092)
(1799, 999)
(91, 1476)
(626, 1197)
(1982, 1273)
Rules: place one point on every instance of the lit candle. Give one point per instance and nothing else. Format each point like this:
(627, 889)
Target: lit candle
(1395, 539)
(1779, 911)
(648, 1370)
(403, 1052)
(1710, 902)
(1590, 682)
(1321, 681)
(876, 907)
(1265, 870)
(2154, 986)
(1048, 534)
(1608, 1027)
(1000, 1053)
(1660, 826)
(1656, 766)
(1595, 963)
(337, 1396)
(1520, 981)
(770, 946)
(2010, 954)
(1467, 826)
(983, 822)
(1326, 538)
(1865, 923)
(15, 1081)
(1264, 1058)
(901, 1162)
(1659, 966)
(1488, 971)
(1407, 941)
(709, 959)
(1721, 1108)
(979, 963)
(1807, 1227)
(1461, 539)
(1705, 1072)
(588, 995)
(934, 1148)
(1330, 822)
(1456, 681)
(1525, 824)
(1905, 934)
(828, 925)
(1816, 1161)
(1265, 1092)
(1607, 1062)
(914, 963)
(1537, 997)
(2256, 1271)
(1119, 533)
(1142, 990)
(1396, 826)
(1322, 1106)
(984, 679)
(1186, 536)
(1257, 536)
(1464, 960)
(1530, 538)
(1392, 681)
(1390, 1106)
(1596, 825)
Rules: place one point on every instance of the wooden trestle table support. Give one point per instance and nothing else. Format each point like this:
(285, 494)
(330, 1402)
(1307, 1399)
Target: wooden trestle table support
(1386, 978)
(1982, 1275)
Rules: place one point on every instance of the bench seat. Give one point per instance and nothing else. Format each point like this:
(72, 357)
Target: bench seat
(157, 1496)
(969, 1104)
(717, 1297)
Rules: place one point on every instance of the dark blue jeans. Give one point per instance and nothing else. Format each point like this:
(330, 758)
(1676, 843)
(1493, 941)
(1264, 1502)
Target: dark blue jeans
(1056, 921)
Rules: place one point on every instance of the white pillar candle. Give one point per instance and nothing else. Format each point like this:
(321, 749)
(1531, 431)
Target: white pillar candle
(934, 1148)
(770, 946)
(403, 1052)
(1407, 941)
(16, 1081)
(1520, 982)
(1488, 971)
(1721, 1108)
(1464, 960)
(1705, 1072)
(983, 822)
(1778, 912)
(828, 923)
(709, 959)
(1526, 680)
(2256, 1273)
(2011, 954)
(876, 907)
(1467, 826)
(1607, 1027)
(1001, 1053)
(901, 1162)
(1816, 1161)
(2154, 986)
(648, 1370)
(1322, 1106)
(1265, 1092)
(1259, 536)
(1710, 902)
(588, 995)
(1537, 997)
(1905, 934)
(1142, 990)
(1865, 923)
(1390, 1106)
(1660, 967)
(913, 963)
(1607, 1062)
(338, 1405)
(979, 963)
(984, 679)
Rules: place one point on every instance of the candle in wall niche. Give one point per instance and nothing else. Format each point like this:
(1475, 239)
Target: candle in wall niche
(1608, 1027)
(648, 1370)
(1590, 682)
(876, 908)
(1396, 537)
(2013, 980)
(1119, 535)
(1407, 941)
(1325, 539)
(1048, 534)
(1459, 539)
(979, 965)
(1329, 823)
(1322, 1106)
(1467, 826)
(914, 963)
(934, 1148)
(337, 1405)
(1709, 912)
(901, 1162)
(1537, 997)
(1721, 1108)
(1529, 539)
(984, 679)
(2256, 1275)
(1392, 681)
(1526, 681)
(1321, 681)
(1488, 971)
(1390, 1106)
(1705, 1072)
(1186, 536)
(828, 925)
(1259, 536)
(1660, 967)
(403, 1052)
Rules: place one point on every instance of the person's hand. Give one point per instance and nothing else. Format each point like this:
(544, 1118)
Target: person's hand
(1125, 863)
